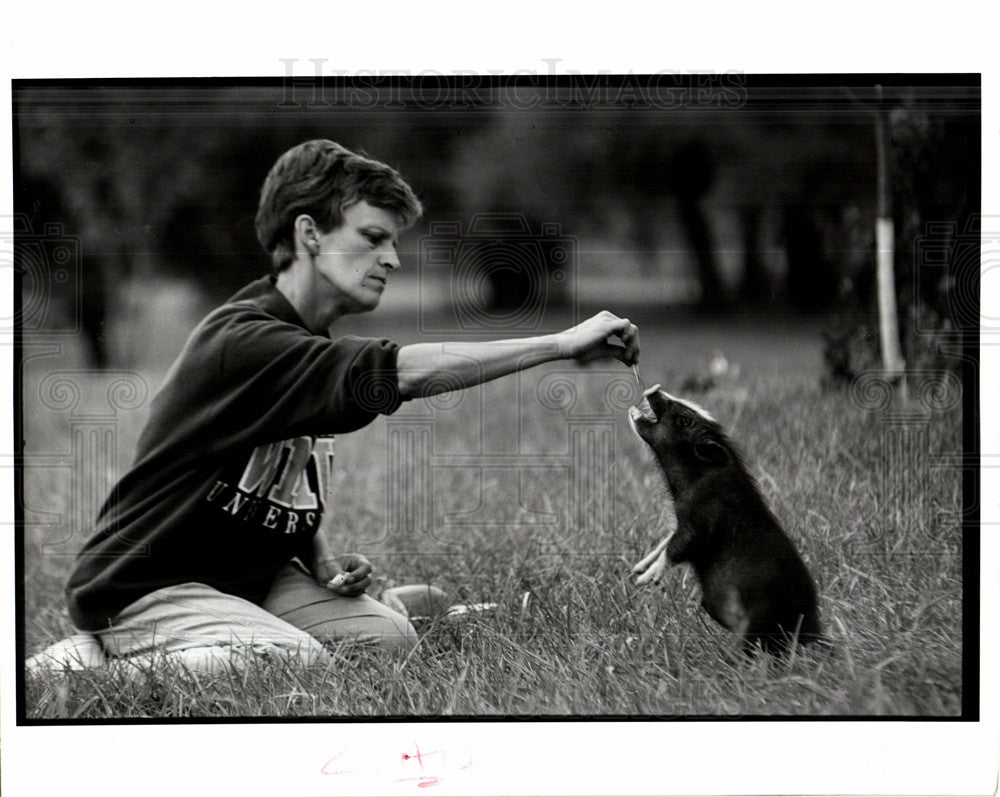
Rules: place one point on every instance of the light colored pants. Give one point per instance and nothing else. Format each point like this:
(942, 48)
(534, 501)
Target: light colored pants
(205, 630)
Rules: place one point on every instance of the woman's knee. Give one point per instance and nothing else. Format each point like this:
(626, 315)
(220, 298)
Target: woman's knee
(396, 633)
(337, 619)
(382, 629)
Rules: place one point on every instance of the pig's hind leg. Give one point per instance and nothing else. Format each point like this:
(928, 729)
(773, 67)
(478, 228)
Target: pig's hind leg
(724, 601)
(727, 609)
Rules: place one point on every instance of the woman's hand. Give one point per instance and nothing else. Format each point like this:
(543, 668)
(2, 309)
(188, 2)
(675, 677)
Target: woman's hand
(347, 574)
(588, 341)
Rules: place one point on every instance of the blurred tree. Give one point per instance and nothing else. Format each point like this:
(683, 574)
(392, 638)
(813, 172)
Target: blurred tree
(41, 206)
(933, 163)
(807, 223)
(689, 175)
(116, 176)
(936, 163)
(164, 181)
(755, 284)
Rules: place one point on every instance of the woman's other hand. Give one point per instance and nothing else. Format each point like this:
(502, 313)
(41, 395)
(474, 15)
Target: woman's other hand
(347, 574)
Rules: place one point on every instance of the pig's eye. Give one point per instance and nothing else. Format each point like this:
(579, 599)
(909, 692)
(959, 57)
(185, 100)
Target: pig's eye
(682, 421)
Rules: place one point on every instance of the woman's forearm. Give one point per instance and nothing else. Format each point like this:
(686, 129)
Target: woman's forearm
(426, 369)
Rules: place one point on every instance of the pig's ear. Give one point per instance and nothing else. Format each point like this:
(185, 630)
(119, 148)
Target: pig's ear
(711, 452)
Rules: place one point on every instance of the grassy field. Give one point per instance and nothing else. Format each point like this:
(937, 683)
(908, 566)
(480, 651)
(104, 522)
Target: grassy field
(550, 536)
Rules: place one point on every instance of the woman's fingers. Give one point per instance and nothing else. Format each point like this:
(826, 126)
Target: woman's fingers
(337, 582)
(355, 564)
(606, 350)
(355, 575)
(360, 573)
(629, 335)
(603, 351)
(355, 588)
(607, 325)
(343, 585)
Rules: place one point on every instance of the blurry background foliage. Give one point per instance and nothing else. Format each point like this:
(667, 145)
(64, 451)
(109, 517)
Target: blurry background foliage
(765, 207)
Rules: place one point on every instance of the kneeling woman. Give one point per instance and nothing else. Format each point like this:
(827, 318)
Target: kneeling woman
(210, 542)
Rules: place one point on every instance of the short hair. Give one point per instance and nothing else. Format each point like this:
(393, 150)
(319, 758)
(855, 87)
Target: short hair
(322, 179)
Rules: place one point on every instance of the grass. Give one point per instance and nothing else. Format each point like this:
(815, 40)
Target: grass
(552, 544)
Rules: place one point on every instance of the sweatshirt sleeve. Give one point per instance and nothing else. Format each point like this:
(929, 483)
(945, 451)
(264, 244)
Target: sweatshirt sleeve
(247, 377)
(280, 375)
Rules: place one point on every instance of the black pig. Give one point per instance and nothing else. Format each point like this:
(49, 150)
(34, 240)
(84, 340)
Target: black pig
(753, 581)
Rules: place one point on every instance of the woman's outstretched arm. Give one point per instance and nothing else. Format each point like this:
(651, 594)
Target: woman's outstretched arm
(426, 369)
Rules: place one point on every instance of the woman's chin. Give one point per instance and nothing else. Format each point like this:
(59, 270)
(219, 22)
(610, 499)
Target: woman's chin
(360, 303)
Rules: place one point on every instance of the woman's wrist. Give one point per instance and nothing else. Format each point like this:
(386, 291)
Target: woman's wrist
(560, 343)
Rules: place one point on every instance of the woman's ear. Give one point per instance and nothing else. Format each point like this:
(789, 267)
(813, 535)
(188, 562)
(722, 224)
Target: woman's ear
(306, 234)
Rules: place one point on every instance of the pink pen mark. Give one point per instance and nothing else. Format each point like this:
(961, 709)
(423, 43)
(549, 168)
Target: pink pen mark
(326, 770)
(424, 768)
(423, 781)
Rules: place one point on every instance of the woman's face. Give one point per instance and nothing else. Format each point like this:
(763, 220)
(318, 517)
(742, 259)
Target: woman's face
(353, 261)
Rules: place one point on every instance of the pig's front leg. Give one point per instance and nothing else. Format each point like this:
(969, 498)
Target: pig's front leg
(651, 567)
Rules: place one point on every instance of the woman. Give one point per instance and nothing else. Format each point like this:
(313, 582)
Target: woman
(209, 542)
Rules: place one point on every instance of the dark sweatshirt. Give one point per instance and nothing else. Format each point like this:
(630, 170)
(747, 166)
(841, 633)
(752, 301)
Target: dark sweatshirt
(232, 470)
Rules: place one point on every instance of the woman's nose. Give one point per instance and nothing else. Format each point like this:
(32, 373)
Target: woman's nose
(389, 257)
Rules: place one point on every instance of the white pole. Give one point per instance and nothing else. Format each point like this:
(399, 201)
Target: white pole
(888, 320)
